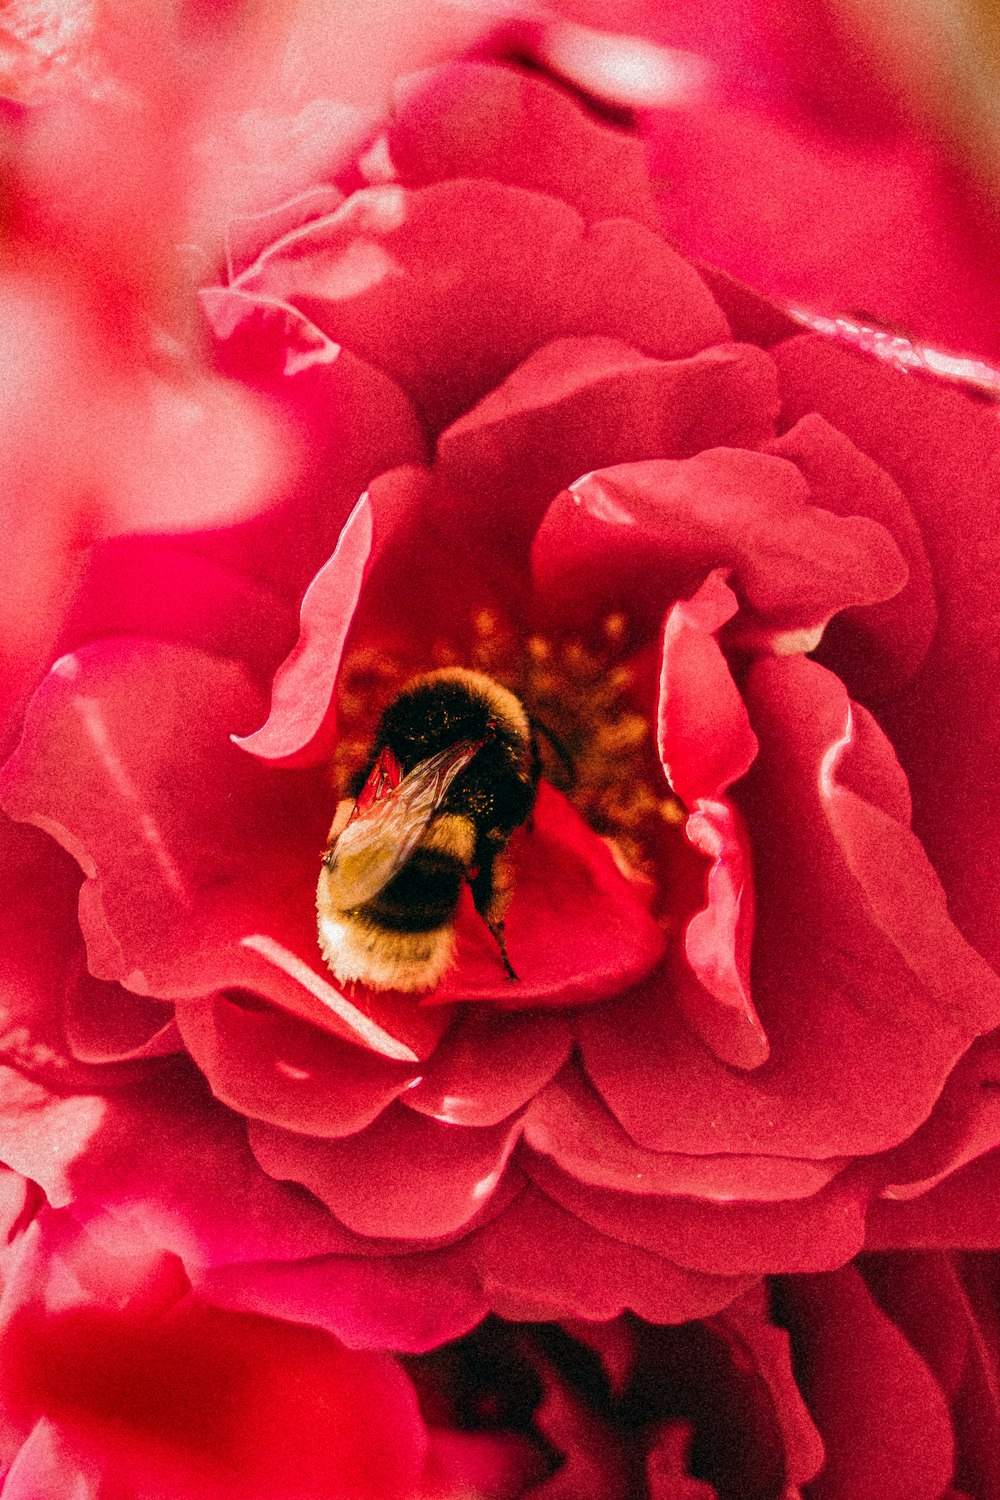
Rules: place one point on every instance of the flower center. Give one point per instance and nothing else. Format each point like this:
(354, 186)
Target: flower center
(584, 697)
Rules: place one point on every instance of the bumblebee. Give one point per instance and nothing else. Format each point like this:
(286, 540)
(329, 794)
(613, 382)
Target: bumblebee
(453, 772)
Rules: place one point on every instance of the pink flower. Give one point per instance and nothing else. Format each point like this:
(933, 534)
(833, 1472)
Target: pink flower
(736, 571)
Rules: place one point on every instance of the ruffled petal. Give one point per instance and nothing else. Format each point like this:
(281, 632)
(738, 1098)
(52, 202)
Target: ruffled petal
(637, 535)
(405, 1177)
(705, 744)
(959, 1213)
(875, 647)
(569, 1123)
(520, 269)
(105, 1023)
(300, 729)
(943, 450)
(854, 1366)
(577, 930)
(719, 1238)
(539, 1261)
(410, 1303)
(857, 977)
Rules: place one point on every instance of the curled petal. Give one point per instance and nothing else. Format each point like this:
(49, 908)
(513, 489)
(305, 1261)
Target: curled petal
(271, 1066)
(577, 929)
(538, 1260)
(720, 1238)
(569, 1123)
(636, 534)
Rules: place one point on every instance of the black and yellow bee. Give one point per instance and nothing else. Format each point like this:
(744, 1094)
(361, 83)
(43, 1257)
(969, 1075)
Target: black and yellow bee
(453, 772)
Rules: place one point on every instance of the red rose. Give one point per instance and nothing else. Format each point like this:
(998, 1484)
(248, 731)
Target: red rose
(753, 621)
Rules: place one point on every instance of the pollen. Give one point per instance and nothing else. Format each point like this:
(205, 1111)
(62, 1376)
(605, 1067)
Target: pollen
(589, 699)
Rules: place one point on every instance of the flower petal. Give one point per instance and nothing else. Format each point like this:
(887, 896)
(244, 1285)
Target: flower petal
(405, 1302)
(488, 1064)
(578, 404)
(718, 1238)
(404, 1177)
(480, 120)
(872, 647)
(705, 743)
(569, 1123)
(637, 534)
(201, 862)
(539, 1261)
(855, 1365)
(857, 977)
(520, 269)
(943, 450)
(301, 727)
(577, 929)
(269, 1065)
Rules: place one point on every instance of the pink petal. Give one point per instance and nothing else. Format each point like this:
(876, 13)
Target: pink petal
(446, 288)
(703, 733)
(405, 1177)
(410, 1303)
(856, 1367)
(201, 863)
(858, 977)
(200, 1193)
(636, 535)
(719, 1238)
(105, 1023)
(578, 404)
(577, 929)
(872, 647)
(477, 120)
(158, 588)
(705, 743)
(301, 727)
(959, 1213)
(747, 1328)
(538, 1261)
(942, 450)
(964, 1125)
(271, 1066)
(489, 1064)
(569, 1123)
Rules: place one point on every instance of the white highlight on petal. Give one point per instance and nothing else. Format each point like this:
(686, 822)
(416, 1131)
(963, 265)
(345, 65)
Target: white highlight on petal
(363, 1026)
(89, 710)
(597, 502)
(67, 667)
(625, 70)
(830, 760)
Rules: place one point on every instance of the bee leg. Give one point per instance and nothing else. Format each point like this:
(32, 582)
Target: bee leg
(492, 887)
(497, 929)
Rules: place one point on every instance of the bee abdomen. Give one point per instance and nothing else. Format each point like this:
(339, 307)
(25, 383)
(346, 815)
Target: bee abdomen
(422, 896)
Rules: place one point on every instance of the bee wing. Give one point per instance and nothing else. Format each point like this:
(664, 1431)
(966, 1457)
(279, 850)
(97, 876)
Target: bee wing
(376, 843)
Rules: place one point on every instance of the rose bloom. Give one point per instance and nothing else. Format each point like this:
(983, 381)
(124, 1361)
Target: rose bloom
(116, 1378)
(740, 575)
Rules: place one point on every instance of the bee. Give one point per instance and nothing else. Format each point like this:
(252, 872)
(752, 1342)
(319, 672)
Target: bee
(453, 772)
